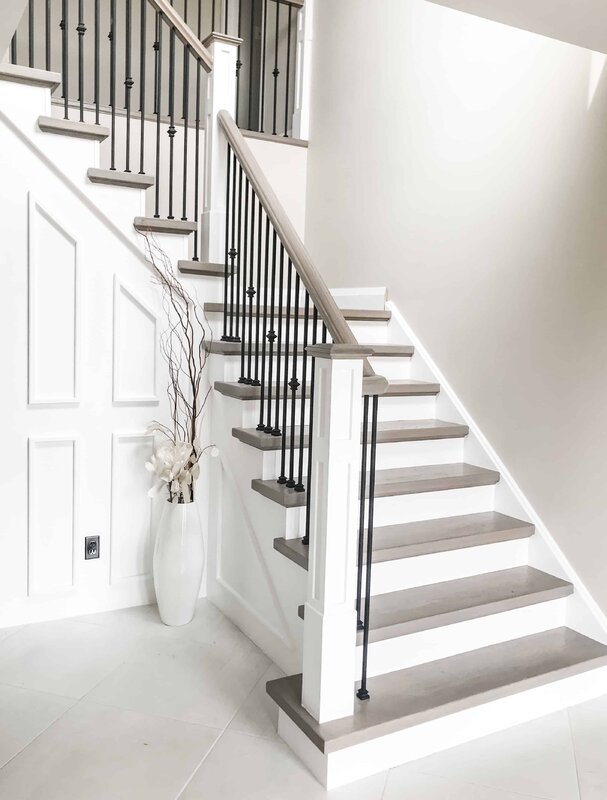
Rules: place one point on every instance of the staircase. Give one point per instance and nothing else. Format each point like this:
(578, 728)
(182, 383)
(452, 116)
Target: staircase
(468, 621)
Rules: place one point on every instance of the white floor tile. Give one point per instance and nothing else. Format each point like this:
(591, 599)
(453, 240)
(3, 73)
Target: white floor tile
(404, 783)
(98, 753)
(258, 716)
(25, 714)
(64, 658)
(242, 767)
(589, 732)
(534, 759)
(195, 683)
(6, 632)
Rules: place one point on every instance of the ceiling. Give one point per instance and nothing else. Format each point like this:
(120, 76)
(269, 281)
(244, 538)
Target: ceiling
(580, 22)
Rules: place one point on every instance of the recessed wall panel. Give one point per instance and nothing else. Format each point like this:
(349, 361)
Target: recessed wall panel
(135, 349)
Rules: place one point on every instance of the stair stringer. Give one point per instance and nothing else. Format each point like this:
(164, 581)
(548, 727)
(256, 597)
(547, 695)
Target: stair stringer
(583, 613)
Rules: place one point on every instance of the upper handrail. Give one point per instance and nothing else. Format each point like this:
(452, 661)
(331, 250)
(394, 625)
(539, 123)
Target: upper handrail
(184, 32)
(311, 278)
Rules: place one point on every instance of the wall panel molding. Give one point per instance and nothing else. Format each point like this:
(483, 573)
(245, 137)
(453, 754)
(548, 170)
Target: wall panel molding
(131, 509)
(135, 349)
(53, 309)
(51, 514)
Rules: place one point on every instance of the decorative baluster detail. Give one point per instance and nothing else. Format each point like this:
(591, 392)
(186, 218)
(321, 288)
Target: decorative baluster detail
(271, 334)
(172, 130)
(158, 108)
(81, 30)
(128, 82)
(142, 71)
(275, 71)
(186, 122)
(294, 386)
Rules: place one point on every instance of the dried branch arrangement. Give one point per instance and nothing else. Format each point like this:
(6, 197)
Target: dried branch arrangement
(176, 462)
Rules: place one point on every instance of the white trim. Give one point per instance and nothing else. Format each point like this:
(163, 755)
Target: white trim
(506, 476)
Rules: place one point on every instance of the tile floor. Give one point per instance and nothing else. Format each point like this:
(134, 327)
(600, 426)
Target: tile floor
(116, 706)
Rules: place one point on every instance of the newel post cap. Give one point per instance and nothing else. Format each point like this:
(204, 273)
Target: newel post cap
(339, 351)
(221, 38)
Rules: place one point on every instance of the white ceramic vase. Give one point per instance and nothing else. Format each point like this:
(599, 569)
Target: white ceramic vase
(178, 562)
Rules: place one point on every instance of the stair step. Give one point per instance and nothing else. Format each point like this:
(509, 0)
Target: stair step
(113, 177)
(153, 225)
(242, 391)
(67, 127)
(395, 482)
(412, 696)
(424, 538)
(30, 76)
(379, 350)
(387, 432)
(425, 607)
(353, 314)
(200, 268)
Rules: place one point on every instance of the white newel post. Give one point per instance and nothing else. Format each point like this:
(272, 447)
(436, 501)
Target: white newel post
(329, 649)
(303, 71)
(221, 94)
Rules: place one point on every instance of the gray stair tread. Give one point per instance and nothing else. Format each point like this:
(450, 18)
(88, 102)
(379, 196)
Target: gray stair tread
(153, 225)
(387, 432)
(235, 349)
(395, 482)
(241, 391)
(113, 177)
(200, 268)
(425, 607)
(30, 76)
(430, 536)
(408, 697)
(358, 314)
(68, 127)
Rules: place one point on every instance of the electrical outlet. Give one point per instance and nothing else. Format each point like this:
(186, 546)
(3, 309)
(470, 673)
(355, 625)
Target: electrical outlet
(91, 547)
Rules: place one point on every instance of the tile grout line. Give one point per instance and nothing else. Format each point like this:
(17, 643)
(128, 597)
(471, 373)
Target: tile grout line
(574, 749)
(223, 730)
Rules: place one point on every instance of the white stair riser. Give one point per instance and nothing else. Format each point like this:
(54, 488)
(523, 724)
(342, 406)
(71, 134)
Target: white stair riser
(432, 505)
(393, 368)
(412, 407)
(26, 104)
(370, 332)
(400, 454)
(401, 652)
(368, 758)
(120, 203)
(407, 573)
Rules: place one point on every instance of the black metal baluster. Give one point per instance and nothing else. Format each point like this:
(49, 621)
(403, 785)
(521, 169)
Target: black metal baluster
(285, 383)
(299, 486)
(238, 64)
(212, 18)
(142, 87)
(64, 57)
(243, 265)
(294, 386)
(271, 335)
(197, 141)
(251, 39)
(47, 34)
(263, 66)
(186, 117)
(14, 48)
(227, 14)
(233, 251)
(256, 381)
(361, 520)
(306, 538)
(158, 107)
(275, 71)
(251, 291)
(261, 425)
(172, 130)
(226, 272)
(81, 30)
(128, 82)
(96, 70)
(238, 253)
(155, 48)
(362, 692)
(288, 76)
(276, 428)
(112, 38)
(30, 25)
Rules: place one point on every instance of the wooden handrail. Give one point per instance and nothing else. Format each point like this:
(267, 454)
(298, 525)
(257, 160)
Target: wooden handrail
(184, 32)
(311, 278)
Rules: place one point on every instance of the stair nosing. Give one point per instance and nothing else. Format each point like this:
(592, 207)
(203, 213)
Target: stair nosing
(416, 389)
(68, 127)
(176, 227)
(234, 349)
(30, 76)
(353, 314)
(130, 180)
(190, 267)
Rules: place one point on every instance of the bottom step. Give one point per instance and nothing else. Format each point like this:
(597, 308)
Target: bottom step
(416, 711)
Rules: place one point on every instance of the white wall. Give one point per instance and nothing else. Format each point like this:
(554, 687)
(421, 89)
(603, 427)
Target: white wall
(463, 164)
